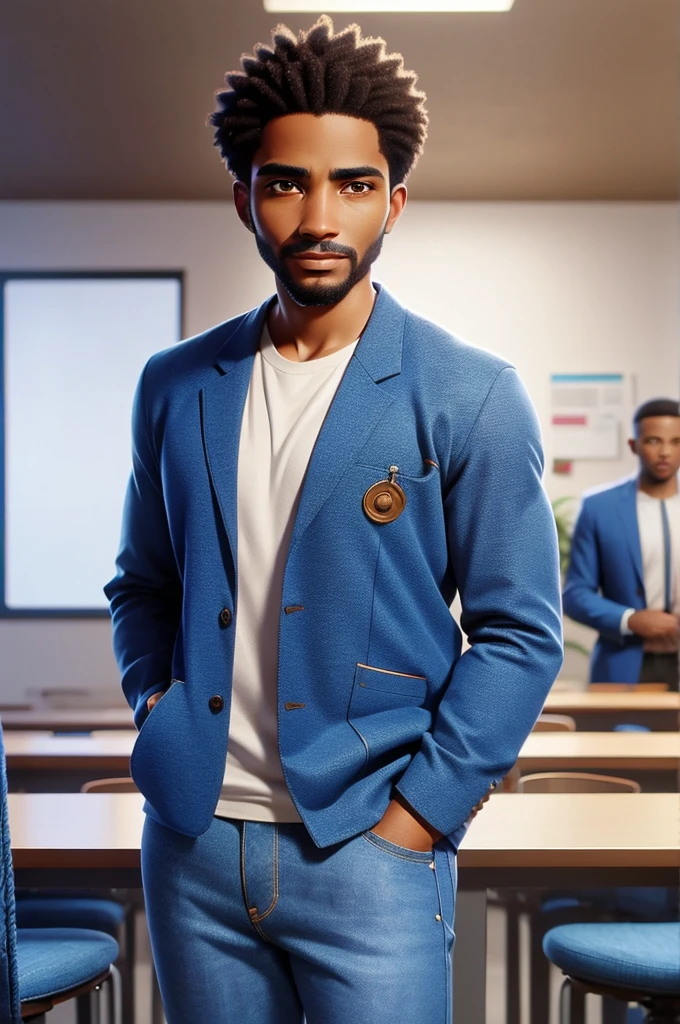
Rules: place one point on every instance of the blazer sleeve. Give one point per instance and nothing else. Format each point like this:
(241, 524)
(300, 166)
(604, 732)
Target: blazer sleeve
(503, 552)
(145, 595)
(583, 601)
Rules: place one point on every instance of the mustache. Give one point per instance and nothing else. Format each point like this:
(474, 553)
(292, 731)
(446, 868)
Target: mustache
(332, 247)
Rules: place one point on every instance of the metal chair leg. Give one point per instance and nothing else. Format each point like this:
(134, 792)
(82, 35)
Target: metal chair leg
(84, 1009)
(114, 993)
(157, 1013)
(539, 965)
(128, 976)
(512, 964)
(572, 1004)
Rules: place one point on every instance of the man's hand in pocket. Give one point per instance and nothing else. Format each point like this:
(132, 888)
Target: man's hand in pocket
(153, 699)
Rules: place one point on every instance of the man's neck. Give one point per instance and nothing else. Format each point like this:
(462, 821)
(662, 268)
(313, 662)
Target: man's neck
(655, 489)
(301, 333)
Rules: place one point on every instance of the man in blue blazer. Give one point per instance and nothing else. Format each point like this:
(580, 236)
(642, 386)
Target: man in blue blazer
(312, 483)
(625, 553)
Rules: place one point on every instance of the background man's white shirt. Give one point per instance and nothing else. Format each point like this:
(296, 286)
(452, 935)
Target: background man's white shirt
(653, 563)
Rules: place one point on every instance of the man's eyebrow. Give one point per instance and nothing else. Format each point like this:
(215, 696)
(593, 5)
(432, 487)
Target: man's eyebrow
(342, 173)
(284, 170)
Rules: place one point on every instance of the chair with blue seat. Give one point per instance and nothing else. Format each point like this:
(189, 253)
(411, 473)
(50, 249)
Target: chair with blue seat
(631, 962)
(115, 917)
(41, 967)
(60, 910)
(575, 906)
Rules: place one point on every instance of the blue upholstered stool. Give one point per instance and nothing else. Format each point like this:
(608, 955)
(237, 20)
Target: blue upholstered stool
(629, 961)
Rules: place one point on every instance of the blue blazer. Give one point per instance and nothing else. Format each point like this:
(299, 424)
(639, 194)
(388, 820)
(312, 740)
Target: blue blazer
(373, 692)
(605, 578)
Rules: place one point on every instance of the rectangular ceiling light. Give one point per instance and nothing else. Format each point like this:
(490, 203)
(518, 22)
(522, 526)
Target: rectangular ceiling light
(385, 6)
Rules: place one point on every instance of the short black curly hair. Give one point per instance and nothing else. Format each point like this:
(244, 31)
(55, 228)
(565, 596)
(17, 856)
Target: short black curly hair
(656, 407)
(321, 72)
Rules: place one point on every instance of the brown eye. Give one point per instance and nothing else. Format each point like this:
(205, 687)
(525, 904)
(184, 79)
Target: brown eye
(358, 188)
(282, 187)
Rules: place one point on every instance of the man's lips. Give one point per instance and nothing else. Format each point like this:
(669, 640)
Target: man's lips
(318, 257)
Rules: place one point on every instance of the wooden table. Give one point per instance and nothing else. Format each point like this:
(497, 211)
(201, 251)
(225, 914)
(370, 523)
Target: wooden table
(526, 840)
(46, 751)
(600, 751)
(66, 720)
(602, 711)
(86, 839)
(59, 763)
(661, 708)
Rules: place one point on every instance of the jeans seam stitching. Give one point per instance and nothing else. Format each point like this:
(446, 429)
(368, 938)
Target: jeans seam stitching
(243, 866)
(399, 856)
(447, 956)
(275, 897)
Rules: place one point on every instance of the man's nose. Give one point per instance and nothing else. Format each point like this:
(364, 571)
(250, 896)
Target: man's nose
(319, 218)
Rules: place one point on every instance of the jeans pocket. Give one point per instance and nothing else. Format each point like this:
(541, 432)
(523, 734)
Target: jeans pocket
(401, 852)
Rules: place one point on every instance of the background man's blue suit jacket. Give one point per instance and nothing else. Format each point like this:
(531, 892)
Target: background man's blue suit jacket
(605, 578)
(372, 689)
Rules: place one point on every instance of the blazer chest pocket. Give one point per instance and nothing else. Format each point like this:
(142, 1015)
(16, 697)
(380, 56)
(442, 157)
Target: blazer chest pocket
(387, 710)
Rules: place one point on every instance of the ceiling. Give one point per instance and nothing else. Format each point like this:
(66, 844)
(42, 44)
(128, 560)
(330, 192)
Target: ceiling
(558, 99)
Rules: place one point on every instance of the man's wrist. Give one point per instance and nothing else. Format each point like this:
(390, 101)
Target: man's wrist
(433, 833)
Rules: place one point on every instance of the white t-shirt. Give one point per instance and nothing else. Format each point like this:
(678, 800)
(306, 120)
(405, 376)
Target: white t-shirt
(286, 405)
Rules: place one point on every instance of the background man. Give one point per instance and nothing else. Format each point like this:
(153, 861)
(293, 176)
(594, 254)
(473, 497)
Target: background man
(625, 556)
(312, 482)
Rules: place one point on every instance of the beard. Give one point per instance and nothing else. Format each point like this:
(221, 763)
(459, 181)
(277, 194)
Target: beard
(320, 294)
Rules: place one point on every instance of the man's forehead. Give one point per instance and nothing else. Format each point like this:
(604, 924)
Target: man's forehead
(318, 142)
(660, 425)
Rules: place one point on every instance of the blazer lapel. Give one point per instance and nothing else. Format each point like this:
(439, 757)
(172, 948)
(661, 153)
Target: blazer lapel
(628, 513)
(355, 411)
(222, 403)
(357, 407)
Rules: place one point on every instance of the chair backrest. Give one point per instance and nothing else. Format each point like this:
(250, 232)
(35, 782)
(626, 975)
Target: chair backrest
(10, 1009)
(125, 785)
(575, 782)
(555, 723)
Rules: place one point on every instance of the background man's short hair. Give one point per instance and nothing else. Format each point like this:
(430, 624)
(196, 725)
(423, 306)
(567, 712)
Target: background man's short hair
(320, 72)
(657, 407)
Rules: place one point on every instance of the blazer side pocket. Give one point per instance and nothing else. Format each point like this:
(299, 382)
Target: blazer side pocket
(387, 710)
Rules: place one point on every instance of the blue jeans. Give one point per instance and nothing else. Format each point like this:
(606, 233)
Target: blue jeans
(251, 923)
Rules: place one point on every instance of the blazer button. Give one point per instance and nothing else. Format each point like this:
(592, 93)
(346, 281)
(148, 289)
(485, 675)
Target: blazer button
(216, 704)
(225, 617)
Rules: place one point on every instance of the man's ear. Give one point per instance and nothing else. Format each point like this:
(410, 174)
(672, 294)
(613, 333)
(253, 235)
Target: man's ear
(632, 444)
(241, 194)
(397, 203)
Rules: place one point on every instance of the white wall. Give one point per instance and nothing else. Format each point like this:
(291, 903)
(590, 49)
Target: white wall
(581, 287)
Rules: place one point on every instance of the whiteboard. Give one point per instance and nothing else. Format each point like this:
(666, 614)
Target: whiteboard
(73, 349)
